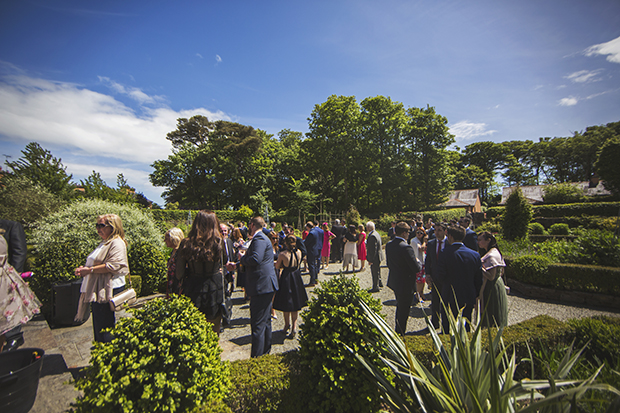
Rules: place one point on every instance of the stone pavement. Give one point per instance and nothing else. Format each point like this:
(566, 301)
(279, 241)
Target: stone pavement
(68, 349)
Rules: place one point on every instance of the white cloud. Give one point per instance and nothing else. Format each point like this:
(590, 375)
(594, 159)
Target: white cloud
(611, 49)
(132, 92)
(569, 101)
(199, 55)
(584, 76)
(466, 130)
(87, 122)
(218, 59)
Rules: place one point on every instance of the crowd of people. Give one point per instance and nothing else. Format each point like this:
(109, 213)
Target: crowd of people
(462, 269)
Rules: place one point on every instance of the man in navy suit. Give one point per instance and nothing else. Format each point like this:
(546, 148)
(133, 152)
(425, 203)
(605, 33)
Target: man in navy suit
(460, 275)
(433, 248)
(471, 238)
(314, 245)
(261, 284)
(403, 266)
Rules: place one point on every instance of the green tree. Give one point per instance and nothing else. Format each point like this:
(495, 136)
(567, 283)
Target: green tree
(427, 139)
(40, 167)
(517, 216)
(488, 157)
(382, 126)
(96, 188)
(332, 153)
(608, 165)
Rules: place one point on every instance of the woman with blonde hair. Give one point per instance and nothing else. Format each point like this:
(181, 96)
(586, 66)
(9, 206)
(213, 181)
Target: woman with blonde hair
(173, 238)
(199, 267)
(104, 275)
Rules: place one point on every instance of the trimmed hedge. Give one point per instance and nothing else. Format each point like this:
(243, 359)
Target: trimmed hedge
(538, 270)
(605, 209)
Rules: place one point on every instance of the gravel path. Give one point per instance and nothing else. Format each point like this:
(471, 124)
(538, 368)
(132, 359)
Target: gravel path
(236, 339)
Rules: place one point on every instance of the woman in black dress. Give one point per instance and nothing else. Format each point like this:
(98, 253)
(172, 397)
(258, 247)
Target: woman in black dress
(291, 296)
(199, 267)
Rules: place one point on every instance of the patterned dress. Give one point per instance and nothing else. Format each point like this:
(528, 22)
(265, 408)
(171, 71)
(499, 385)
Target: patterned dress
(18, 304)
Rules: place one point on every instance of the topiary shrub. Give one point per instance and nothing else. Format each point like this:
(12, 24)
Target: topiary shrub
(150, 262)
(166, 358)
(517, 216)
(529, 269)
(562, 193)
(536, 229)
(559, 229)
(337, 382)
(63, 240)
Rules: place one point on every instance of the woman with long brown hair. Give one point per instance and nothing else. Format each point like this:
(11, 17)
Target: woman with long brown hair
(199, 267)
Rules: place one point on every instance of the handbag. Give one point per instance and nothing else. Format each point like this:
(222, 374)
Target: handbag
(123, 299)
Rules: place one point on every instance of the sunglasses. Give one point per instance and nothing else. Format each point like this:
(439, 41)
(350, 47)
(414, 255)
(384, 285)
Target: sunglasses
(100, 226)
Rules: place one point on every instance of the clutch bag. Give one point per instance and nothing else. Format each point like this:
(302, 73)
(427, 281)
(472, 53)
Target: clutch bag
(123, 299)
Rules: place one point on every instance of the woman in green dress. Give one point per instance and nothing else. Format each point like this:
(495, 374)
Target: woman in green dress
(493, 298)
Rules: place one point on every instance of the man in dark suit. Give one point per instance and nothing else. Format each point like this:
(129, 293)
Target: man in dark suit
(374, 256)
(459, 271)
(337, 243)
(229, 276)
(471, 238)
(16, 242)
(314, 244)
(391, 233)
(403, 266)
(260, 285)
(433, 248)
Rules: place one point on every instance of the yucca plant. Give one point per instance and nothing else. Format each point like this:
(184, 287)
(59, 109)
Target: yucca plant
(469, 377)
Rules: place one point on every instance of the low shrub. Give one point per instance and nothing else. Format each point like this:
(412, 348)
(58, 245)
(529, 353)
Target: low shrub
(530, 269)
(602, 332)
(605, 209)
(336, 382)
(536, 229)
(165, 358)
(595, 248)
(493, 227)
(263, 384)
(559, 229)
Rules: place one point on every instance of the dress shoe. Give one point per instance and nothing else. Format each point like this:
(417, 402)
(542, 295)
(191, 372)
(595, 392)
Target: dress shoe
(380, 284)
(374, 290)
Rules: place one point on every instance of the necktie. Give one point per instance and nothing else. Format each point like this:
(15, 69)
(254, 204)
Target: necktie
(438, 247)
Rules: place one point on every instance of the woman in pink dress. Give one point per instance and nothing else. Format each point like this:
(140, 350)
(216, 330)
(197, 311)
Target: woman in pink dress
(327, 237)
(361, 246)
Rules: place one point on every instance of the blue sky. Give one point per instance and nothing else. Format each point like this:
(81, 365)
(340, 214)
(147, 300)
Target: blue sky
(101, 83)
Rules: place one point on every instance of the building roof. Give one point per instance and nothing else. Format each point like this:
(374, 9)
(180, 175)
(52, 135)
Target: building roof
(534, 193)
(461, 198)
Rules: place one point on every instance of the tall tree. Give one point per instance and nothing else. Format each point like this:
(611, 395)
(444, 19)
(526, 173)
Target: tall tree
(382, 125)
(40, 167)
(427, 138)
(332, 151)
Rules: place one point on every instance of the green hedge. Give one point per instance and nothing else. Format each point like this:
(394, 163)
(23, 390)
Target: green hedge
(179, 215)
(538, 270)
(604, 209)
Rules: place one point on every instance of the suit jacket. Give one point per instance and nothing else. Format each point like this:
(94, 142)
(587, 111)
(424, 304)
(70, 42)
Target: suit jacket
(260, 272)
(339, 231)
(374, 253)
(229, 255)
(314, 242)
(301, 247)
(16, 243)
(430, 262)
(471, 239)
(459, 268)
(403, 265)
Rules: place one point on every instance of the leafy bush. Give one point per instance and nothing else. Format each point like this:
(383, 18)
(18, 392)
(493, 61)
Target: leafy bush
(64, 239)
(165, 358)
(26, 202)
(530, 269)
(536, 229)
(602, 332)
(517, 216)
(596, 248)
(334, 318)
(605, 209)
(262, 384)
(353, 216)
(150, 262)
(517, 248)
(563, 193)
(494, 227)
(244, 214)
(559, 229)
